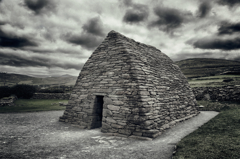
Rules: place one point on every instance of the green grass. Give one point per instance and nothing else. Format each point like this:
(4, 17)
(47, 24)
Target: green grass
(217, 139)
(220, 77)
(26, 82)
(33, 105)
(202, 67)
(214, 81)
(204, 81)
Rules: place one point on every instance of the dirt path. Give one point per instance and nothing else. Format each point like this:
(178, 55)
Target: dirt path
(40, 135)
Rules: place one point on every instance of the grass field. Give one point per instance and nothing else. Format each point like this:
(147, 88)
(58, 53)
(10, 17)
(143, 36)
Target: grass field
(203, 67)
(33, 105)
(217, 139)
(214, 81)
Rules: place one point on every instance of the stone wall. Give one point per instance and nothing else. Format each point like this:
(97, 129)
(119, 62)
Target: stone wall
(51, 96)
(8, 101)
(227, 93)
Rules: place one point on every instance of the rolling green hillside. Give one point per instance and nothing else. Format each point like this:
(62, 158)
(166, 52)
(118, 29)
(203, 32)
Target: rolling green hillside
(8, 79)
(202, 72)
(203, 67)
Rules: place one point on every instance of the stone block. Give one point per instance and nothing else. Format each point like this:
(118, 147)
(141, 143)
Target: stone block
(117, 118)
(125, 132)
(110, 120)
(144, 110)
(118, 103)
(120, 115)
(73, 96)
(167, 118)
(117, 126)
(148, 122)
(113, 107)
(151, 131)
(88, 111)
(106, 126)
(137, 133)
(121, 122)
(107, 113)
(120, 93)
(165, 126)
(145, 93)
(113, 130)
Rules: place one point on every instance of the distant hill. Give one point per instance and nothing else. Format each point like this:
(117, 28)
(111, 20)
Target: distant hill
(12, 79)
(67, 75)
(203, 67)
(192, 68)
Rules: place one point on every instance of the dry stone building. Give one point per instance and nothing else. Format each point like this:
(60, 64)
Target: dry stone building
(129, 88)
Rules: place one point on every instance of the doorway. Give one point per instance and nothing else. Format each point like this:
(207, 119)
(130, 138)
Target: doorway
(98, 107)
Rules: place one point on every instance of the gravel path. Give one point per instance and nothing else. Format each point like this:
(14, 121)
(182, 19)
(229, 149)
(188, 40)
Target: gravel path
(40, 135)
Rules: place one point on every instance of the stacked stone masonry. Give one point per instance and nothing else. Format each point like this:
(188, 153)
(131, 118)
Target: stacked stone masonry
(227, 93)
(8, 101)
(129, 88)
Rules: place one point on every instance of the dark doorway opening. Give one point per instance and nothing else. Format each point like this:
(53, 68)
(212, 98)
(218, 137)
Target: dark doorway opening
(98, 107)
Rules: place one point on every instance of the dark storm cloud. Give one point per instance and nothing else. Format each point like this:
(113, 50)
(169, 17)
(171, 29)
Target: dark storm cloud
(136, 14)
(228, 28)
(18, 61)
(216, 43)
(58, 50)
(2, 23)
(14, 41)
(229, 3)
(169, 18)
(87, 41)
(91, 37)
(34, 61)
(94, 26)
(127, 2)
(37, 6)
(204, 9)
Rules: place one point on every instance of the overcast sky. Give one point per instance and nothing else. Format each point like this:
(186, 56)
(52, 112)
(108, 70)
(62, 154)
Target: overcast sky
(56, 37)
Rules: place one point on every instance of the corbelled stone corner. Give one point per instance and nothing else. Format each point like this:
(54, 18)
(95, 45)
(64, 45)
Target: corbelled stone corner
(129, 88)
